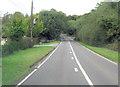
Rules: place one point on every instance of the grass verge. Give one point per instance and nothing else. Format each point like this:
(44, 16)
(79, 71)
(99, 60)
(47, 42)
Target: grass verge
(0, 76)
(110, 54)
(48, 43)
(16, 65)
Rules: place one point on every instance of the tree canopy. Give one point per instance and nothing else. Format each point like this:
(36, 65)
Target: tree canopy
(96, 27)
(13, 28)
(54, 22)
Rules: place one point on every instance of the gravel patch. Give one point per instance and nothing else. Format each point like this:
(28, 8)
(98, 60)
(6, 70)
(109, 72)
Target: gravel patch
(53, 45)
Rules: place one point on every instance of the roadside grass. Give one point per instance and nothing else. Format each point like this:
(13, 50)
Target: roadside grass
(110, 54)
(0, 76)
(17, 65)
(0, 71)
(48, 43)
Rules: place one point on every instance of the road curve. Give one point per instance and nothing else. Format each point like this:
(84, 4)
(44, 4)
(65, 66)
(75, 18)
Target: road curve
(73, 64)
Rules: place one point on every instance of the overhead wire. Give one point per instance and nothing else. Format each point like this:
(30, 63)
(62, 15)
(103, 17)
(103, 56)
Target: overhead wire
(22, 7)
(18, 5)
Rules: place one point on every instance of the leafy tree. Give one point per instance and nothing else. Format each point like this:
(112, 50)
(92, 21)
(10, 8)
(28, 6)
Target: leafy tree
(15, 30)
(38, 28)
(54, 21)
(100, 26)
(72, 27)
(27, 23)
(5, 23)
(73, 17)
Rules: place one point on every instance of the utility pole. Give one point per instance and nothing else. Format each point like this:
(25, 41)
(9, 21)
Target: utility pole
(31, 23)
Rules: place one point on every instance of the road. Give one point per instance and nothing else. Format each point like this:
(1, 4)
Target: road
(72, 64)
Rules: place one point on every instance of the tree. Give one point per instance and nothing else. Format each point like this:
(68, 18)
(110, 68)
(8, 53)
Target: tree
(54, 21)
(72, 27)
(27, 22)
(110, 26)
(5, 23)
(73, 17)
(38, 28)
(15, 30)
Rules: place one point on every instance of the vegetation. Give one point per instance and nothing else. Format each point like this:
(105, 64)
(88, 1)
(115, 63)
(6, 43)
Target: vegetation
(18, 64)
(49, 25)
(14, 28)
(54, 21)
(13, 46)
(37, 29)
(98, 27)
(96, 30)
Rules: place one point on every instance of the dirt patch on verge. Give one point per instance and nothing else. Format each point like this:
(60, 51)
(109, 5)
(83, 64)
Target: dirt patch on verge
(53, 45)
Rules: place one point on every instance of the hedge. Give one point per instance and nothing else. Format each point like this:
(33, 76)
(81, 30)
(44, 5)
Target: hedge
(9, 48)
(13, 46)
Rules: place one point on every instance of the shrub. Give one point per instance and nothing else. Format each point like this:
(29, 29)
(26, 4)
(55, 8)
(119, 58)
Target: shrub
(26, 43)
(114, 46)
(9, 48)
(12, 46)
(36, 40)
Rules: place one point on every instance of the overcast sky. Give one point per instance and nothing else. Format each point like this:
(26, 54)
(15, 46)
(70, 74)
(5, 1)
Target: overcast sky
(69, 7)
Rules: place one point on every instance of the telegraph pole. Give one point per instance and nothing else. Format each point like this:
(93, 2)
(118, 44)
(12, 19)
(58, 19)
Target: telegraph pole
(31, 22)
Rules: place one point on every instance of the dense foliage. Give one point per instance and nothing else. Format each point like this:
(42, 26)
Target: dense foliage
(37, 28)
(49, 25)
(54, 22)
(13, 46)
(98, 27)
(14, 27)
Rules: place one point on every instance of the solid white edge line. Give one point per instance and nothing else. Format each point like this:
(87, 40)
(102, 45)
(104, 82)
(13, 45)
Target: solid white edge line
(81, 68)
(100, 55)
(26, 78)
(38, 67)
(48, 57)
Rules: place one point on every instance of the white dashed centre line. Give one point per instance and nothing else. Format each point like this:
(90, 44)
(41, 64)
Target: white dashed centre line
(81, 68)
(76, 70)
(72, 58)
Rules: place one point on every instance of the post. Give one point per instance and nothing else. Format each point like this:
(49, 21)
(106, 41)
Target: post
(31, 23)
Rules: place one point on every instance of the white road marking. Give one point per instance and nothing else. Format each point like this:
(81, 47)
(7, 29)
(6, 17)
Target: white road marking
(37, 67)
(70, 52)
(76, 70)
(26, 77)
(72, 58)
(81, 68)
(100, 55)
(48, 57)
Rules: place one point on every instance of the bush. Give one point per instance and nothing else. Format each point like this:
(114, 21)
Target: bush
(26, 42)
(114, 46)
(36, 40)
(13, 46)
(9, 48)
